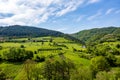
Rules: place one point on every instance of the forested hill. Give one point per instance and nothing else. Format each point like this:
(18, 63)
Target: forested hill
(28, 31)
(99, 34)
(23, 31)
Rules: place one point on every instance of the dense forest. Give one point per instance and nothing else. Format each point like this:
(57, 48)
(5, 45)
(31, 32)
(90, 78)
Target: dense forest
(27, 31)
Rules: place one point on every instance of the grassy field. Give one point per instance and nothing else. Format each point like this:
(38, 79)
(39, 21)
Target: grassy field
(14, 70)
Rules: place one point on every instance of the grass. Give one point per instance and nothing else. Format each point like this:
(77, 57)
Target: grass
(14, 70)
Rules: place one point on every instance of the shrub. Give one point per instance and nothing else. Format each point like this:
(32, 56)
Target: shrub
(111, 59)
(0, 47)
(102, 75)
(118, 45)
(35, 52)
(118, 62)
(82, 73)
(99, 63)
(22, 46)
(2, 75)
(57, 70)
(17, 55)
(40, 59)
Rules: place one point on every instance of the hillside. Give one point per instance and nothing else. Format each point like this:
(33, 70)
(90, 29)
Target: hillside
(20, 31)
(28, 31)
(99, 34)
(35, 58)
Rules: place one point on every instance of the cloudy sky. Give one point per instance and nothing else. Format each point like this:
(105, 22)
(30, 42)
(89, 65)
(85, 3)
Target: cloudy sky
(67, 16)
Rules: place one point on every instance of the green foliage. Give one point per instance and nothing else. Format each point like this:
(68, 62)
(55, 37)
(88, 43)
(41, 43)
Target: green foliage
(99, 35)
(103, 75)
(22, 46)
(25, 31)
(58, 69)
(111, 59)
(2, 75)
(117, 74)
(40, 58)
(82, 73)
(56, 60)
(17, 55)
(0, 47)
(104, 50)
(51, 40)
(99, 63)
(118, 45)
(118, 62)
(29, 67)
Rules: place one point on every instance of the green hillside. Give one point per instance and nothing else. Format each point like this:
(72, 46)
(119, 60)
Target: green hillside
(42, 49)
(25, 31)
(25, 56)
(99, 34)
(18, 31)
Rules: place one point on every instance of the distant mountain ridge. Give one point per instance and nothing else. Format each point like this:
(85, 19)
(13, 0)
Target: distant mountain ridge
(21, 31)
(99, 34)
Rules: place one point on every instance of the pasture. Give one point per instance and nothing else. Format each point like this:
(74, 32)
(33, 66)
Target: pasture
(42, 47)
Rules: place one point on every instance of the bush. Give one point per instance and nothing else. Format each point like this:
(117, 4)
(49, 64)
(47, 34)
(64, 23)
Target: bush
(99, 63)
(2, 75)
(40, 59)
(86, 56)
(58, 69)
(35, 52)
(82, 73)
(102, 75)
(118, 45)
(0, 47)
(22, 46)
(111, 59)
(118, 62)
(17, 55)
(117, 74)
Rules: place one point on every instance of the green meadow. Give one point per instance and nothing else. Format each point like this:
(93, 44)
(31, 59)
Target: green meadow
(44, 48)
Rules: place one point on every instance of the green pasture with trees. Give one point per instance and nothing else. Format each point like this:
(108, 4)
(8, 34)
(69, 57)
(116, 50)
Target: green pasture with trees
(60, 57)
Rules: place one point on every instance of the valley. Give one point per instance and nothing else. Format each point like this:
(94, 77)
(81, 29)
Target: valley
(62, 57)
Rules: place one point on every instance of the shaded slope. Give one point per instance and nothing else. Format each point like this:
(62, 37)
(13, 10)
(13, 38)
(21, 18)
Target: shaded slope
(23, 31)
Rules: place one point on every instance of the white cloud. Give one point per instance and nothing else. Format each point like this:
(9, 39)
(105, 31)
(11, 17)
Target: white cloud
(34, 12)
(80, 18)
(71, 6)
(92, 1)
(109, 11)
(94, 16)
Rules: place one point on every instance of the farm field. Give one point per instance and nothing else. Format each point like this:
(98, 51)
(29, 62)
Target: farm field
(44, 48)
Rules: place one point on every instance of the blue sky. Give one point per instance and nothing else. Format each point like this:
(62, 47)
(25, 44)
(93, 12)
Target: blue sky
(68, 16)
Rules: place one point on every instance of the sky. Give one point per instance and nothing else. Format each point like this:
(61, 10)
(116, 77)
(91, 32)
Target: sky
(68, 16)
